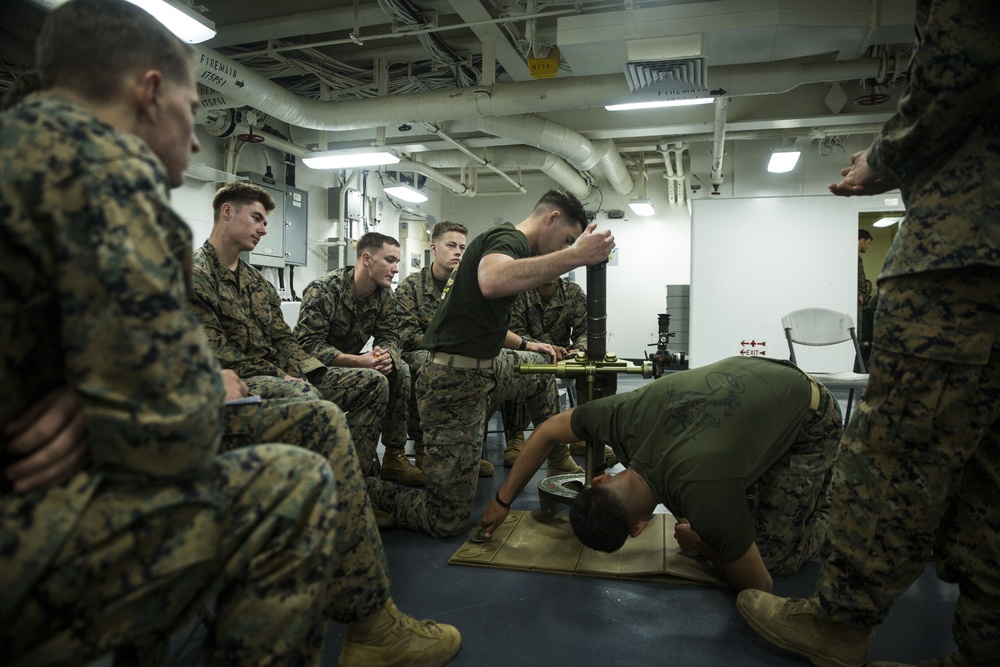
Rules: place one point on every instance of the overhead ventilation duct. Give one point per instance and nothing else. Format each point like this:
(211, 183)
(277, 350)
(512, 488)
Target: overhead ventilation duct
(685, 78)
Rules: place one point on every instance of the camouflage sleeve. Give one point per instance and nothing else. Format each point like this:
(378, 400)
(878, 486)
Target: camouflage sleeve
(576, 308)
(133, 348)
(957, 51)
(204, 303)
(386, 331)
(315, 315)
(407, 312)
(519, 316)
(290, 355)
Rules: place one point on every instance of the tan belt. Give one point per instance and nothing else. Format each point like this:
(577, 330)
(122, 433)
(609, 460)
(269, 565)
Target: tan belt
(459, 361)
(813, 413)
(814, 396)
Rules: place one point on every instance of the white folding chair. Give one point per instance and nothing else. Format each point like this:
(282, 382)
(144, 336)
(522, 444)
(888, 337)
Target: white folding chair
(820, 327)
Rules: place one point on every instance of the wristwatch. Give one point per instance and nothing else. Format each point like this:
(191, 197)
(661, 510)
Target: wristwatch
(524, 345)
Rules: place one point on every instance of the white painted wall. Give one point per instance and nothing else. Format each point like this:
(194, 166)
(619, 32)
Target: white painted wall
(748, 260)
(755, 259)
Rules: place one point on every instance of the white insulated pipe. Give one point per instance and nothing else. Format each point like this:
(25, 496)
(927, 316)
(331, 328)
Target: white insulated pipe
(517, 156)
(241, 83)
(719, 141)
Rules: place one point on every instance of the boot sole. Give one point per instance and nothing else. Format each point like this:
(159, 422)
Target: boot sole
(818, 661)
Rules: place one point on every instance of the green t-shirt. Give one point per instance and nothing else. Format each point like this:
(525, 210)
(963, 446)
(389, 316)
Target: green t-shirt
(466, 322)
(701, 437)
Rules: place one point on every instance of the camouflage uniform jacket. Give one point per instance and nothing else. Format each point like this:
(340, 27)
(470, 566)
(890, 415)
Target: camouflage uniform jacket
(562, 320)
(241, 312)
(94, 266)
(332, 321)
(417, 298)
(945, 138)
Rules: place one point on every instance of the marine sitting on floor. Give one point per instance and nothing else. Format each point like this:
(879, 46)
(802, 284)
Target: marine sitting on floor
(699, 442)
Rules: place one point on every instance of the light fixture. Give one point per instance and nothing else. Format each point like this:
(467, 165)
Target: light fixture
(641, 207)
(653, 104)
(406, 193)
(350, 157)
(887, 221)
(187, 24)
(782, 160)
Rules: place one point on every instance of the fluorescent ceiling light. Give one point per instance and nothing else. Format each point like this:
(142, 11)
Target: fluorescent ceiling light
(406, 193)
(629, 106)
(641, 207)
(352, 157)
(886, 221)
(187, 24)
(782, 161)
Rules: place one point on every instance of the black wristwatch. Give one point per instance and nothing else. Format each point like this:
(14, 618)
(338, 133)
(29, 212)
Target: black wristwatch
(524, 344)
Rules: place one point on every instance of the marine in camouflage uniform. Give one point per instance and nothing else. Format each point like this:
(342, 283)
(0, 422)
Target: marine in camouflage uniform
(468, 369)
(241, 312)
(333, 321)
(416, 299)
(94, 265)
(561, 320)
(919, 475)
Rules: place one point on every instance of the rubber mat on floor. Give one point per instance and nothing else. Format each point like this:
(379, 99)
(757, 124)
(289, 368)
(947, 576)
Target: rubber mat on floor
(524, 542)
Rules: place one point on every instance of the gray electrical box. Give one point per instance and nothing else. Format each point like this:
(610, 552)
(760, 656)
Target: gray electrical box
(296, 225)
(351, 202)
(271, 249)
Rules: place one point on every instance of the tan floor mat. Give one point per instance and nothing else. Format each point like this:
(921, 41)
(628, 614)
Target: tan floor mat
(524, 543)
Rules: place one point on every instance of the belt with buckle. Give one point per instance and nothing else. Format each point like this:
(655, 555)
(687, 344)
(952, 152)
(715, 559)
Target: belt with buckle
(814, 398)
(459, 361)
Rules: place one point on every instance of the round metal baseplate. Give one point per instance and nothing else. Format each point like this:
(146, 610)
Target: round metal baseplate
(558, 489)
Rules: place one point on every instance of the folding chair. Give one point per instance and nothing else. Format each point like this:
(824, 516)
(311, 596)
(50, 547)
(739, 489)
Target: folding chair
(820, 327)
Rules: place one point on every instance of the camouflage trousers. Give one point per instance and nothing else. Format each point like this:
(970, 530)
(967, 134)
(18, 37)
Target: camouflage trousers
(919, 472)
(453, 409)
(276, 537)
(790, 510)
(415, 360)
(362, 393)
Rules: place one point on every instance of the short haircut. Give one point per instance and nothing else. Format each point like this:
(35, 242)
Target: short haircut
(565, 203)
(23, 86)
(445, 226)
(372, 242)
(241, 193)
(91, 46)
(599, 520)
(864, 234)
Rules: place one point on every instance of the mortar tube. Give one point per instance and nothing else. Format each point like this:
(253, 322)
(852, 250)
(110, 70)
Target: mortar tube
(597, 311)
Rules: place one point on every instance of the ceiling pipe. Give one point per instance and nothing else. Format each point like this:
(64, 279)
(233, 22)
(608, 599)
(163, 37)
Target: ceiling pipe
(240, 82)
(555, 138)
(420, 168)
(519, 156)
(673, 172)
(221, 125)
(719, 142)
(434, 129)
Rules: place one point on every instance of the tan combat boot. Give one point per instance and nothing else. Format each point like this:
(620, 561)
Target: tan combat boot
(579, 448)
(561, 463)
(515, 441)
(397, 468)
(485, 468)
(797, 626)
(389, 637)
